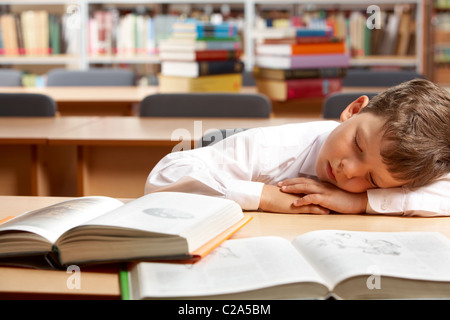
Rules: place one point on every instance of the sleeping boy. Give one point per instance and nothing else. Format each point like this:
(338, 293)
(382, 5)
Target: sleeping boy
(389, 155)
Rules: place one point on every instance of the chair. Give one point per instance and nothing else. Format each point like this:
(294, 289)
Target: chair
(377, 78)
(205, 105)
(91, 77)
(10, 78)
(335, 103)
(26, 105)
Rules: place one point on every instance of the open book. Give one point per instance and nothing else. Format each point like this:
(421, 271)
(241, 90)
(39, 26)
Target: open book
(165, 225)
(317, 264)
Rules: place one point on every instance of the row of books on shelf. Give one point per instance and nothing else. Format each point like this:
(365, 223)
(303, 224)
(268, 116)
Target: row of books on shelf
(308, 63)
(386, 32)
(36, 33)
(201, 57)
(393, 33)
(109, 32)
(176, 245)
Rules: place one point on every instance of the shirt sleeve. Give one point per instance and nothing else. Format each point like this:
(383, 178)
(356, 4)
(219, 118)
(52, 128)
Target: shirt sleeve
(225, 169)
(429, 201)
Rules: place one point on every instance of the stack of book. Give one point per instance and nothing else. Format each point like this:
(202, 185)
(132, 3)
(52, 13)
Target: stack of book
(201, 57)
(308, 63)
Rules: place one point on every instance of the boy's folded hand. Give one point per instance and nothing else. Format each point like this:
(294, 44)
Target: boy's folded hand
(273, 200)
(325, 195)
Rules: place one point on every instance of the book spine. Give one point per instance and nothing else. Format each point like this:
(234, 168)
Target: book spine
(320, 61)
(305, 32)
(223, 28)
(222, 45)
(319, 48)
(20, 43)
(216, 55)
(222, 67)
(216, 34)
(211, 83)
(331, 39)
(312, 88)
(286, 74)
(2, 50)
(222, 39)
(215, 83)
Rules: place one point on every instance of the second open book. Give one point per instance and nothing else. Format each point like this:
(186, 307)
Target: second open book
(318, 264)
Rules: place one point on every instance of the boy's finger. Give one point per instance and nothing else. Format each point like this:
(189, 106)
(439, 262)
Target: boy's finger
(311, 199)
(294, 181)
(302, 188)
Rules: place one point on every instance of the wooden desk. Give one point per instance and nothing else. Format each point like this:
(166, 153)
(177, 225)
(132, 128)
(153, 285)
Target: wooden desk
(26, 158)
(26, 283)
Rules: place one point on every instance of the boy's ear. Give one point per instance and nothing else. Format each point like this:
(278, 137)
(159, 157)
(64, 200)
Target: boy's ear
(354, 107)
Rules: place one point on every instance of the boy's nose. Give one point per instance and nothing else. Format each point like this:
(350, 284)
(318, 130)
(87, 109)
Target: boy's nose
(351, 168)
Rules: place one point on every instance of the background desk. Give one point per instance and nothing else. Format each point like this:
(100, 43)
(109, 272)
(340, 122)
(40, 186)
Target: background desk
(22, 283)
(26, 160)
(69, 156)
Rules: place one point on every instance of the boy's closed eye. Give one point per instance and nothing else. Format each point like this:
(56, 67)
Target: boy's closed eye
(369, 174)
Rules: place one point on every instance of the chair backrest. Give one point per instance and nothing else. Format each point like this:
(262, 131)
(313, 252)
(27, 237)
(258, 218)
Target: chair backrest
(335, 103)
(377, 78)
(215, 136)
(10, 78)
(206, 105)
(91, 77)
(26, 105)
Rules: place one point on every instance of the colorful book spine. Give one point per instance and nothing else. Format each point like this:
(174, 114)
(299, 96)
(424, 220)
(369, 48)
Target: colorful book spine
(310, 32)
(312, 88)
(304, 61)
(202, 68)
(217, 55)
(222, 67)
(287, 74)
(280, 90)
(201, 55)
(210, 83)
(203, 30)
(305, 48)
(217, 34)
(229, 29)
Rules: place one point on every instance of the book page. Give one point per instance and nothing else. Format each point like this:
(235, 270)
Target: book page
(50, 222)
(168, 212)
(235, 266)
(337, 255)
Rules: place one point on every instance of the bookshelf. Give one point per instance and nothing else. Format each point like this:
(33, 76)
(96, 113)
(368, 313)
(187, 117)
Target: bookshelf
(246, 15)
(441, 41)
(414, 59)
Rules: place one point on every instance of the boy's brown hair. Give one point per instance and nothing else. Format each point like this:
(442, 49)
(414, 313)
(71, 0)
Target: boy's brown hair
(417, 115)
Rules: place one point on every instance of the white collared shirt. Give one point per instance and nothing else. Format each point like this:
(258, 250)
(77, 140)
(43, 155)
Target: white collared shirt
(237, 168)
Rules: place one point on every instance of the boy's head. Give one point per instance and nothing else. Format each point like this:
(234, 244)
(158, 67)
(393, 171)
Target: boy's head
(401, 137)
